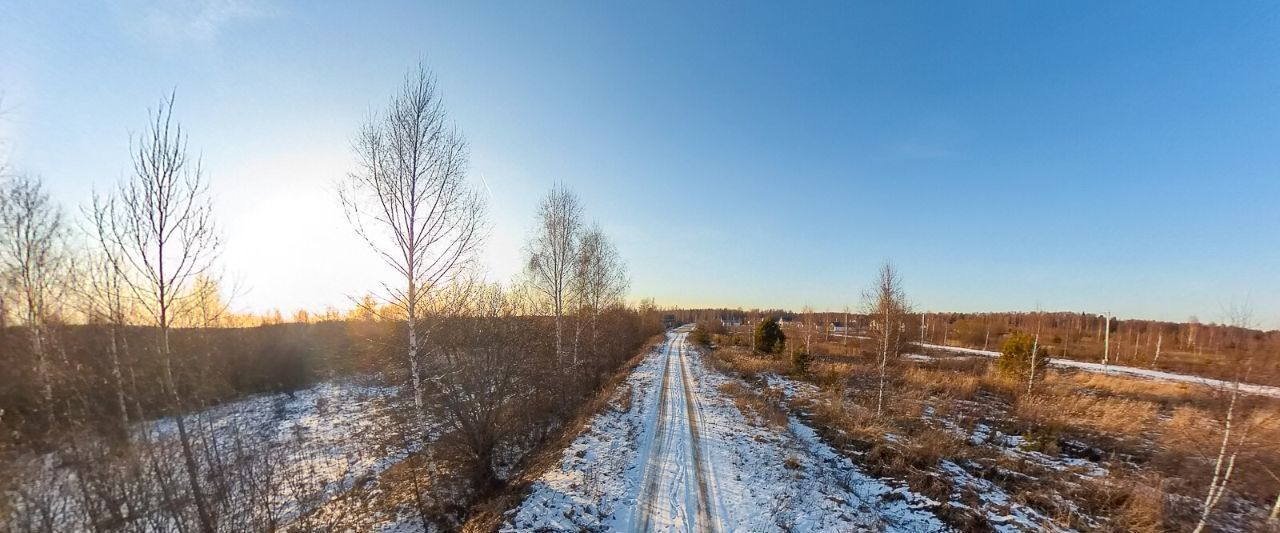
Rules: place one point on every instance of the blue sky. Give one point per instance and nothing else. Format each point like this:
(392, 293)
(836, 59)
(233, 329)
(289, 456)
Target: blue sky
(1004, 155)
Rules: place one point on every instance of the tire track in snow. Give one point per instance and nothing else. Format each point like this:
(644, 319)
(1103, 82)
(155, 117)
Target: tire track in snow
(652, 470)
(706, 515)
(675, 455)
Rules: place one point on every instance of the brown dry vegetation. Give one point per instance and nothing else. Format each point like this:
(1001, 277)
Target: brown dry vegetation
(435, 475)
(760, 407)
(1202, 349)
(1157, 441)
(487, 515)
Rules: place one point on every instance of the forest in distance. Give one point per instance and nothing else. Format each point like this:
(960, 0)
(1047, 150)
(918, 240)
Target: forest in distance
(134, 397)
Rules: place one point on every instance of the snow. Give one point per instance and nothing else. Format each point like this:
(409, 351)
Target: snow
(996, 505)
(1248, 388)
(1001, 511)
(315, 443)
(325, 438)
(682, 462)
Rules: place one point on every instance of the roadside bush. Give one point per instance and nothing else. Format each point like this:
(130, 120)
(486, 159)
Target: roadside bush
(769, 336)
(700, 336)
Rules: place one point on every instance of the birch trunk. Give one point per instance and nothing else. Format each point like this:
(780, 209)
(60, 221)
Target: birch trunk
(415, 370)
(884, 361)
(1035, 348)
(190, 463)
(1222, 467)
(118, 376)
(1106, 343)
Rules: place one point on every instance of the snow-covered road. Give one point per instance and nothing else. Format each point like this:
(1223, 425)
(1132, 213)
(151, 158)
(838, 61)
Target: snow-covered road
(676, 491)
(673, 452)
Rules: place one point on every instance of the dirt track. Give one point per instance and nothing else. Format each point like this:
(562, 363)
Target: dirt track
(675, 494)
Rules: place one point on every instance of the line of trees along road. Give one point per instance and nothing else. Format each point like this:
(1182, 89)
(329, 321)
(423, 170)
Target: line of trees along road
(114, 339)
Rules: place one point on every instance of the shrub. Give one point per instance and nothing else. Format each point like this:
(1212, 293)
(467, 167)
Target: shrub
(800, 362)
(769, 336)
(1015, 356)
(699, 336)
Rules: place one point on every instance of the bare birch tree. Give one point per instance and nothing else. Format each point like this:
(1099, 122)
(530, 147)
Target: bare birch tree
(161, 223)
(1035, 348)
(410, 200)
(104, 293)
(1156, 359)
(553, 251)
(599, 278)
(34, 259)
(885, 303)
(1235, 428)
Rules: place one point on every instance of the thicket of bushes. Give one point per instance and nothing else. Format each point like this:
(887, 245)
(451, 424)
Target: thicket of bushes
(212, 365)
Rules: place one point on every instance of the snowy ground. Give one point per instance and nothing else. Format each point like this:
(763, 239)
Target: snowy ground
(997, 506)
(298, 450)
(682, 457)
(1247, 388)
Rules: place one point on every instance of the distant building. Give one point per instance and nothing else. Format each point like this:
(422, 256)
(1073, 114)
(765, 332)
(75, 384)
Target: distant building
(838, 327)
(669, 321)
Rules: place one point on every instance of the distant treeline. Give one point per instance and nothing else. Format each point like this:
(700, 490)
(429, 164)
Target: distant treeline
(1225, 350)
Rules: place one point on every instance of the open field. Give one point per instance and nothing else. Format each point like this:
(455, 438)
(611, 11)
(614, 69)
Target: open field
(1081, 451)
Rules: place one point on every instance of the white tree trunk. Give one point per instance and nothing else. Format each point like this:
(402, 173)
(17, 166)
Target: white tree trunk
(884, 361)
(1222, 468)
(1035, 348)
(559, 339)
(415, 372)
(42, 365)
(1106, 343)
(116, 375)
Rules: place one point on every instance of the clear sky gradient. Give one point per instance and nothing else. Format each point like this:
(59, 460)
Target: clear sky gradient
(1100, 156)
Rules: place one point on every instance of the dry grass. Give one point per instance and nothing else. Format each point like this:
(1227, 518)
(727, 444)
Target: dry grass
(856, 425)
(762, 408)
(1143, 509)
(1125, 387)
(741, 362)
(935, 382)
(1081, 412)
(1155, 439)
